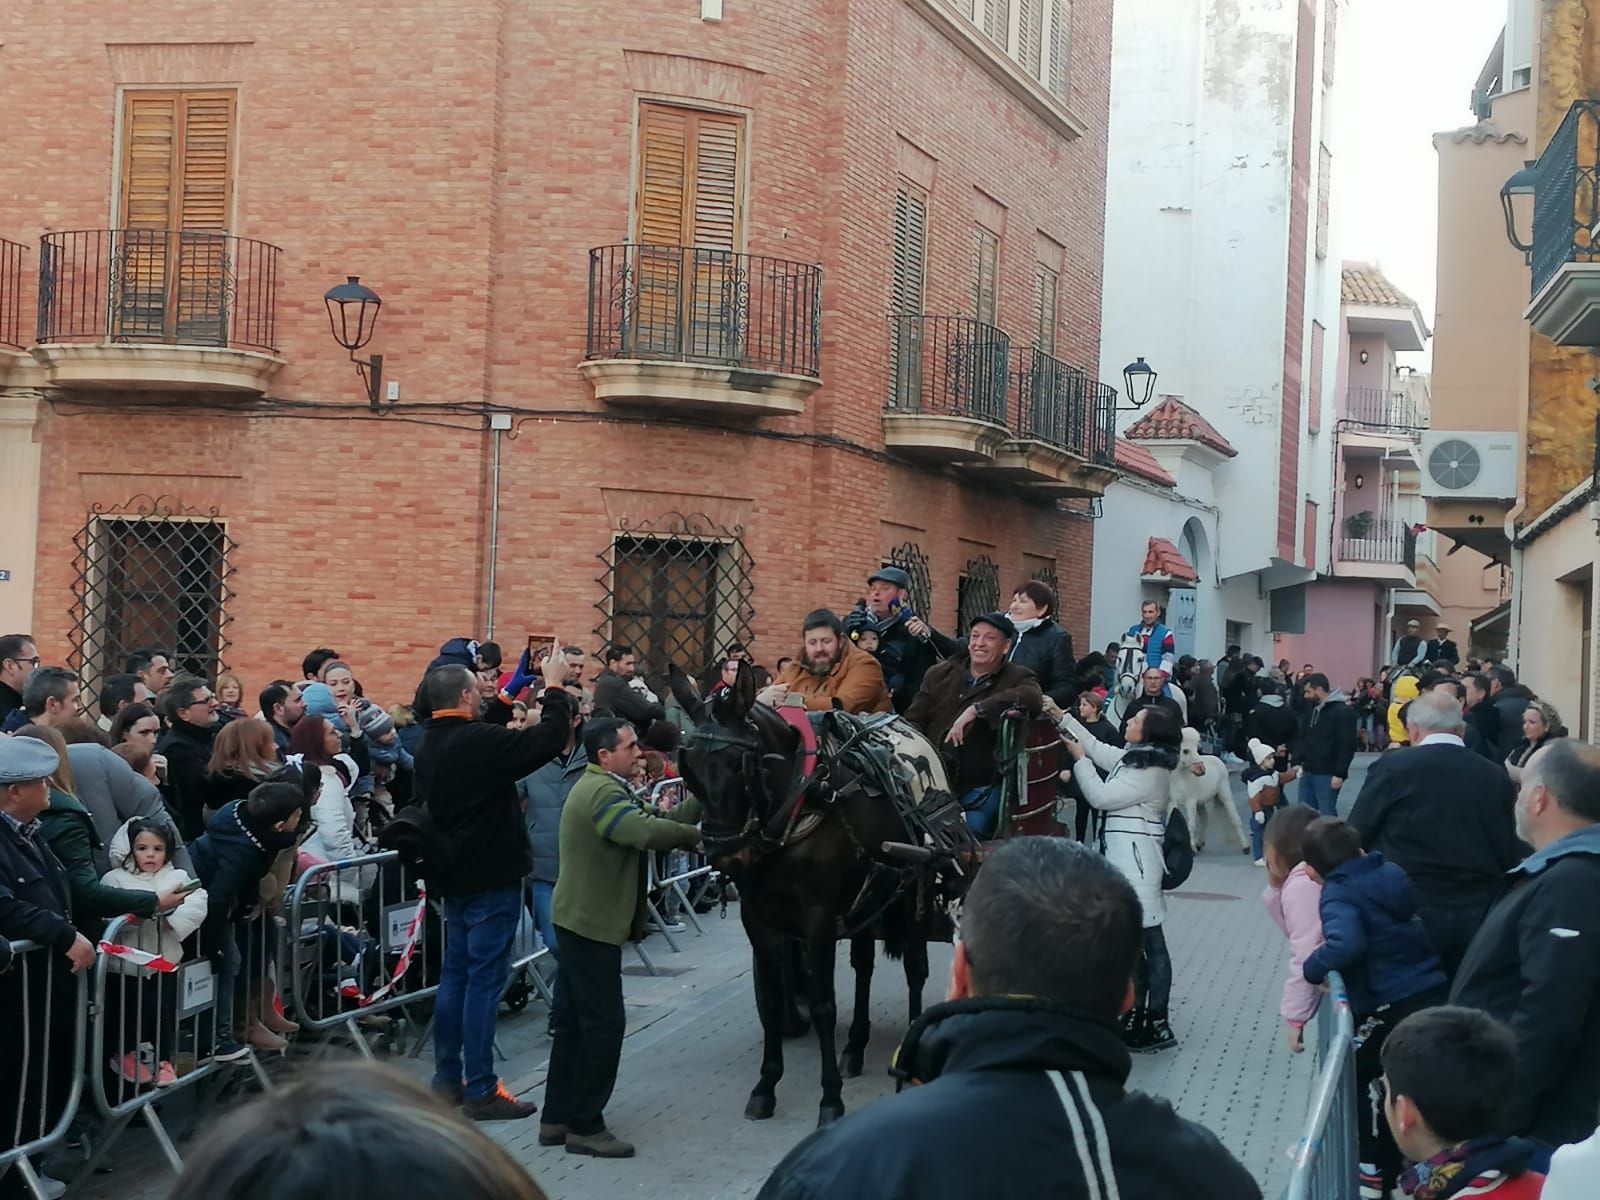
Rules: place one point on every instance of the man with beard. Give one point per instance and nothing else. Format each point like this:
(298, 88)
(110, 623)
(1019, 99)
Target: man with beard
(831, 673)
(907, 645)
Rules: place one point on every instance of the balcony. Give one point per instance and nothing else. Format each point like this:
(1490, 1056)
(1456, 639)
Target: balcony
(13, 353)
(1566, 220)
(1377, 548)
(1379, 413)
(949, 382)
(157, 308)
(685, 328)
(1062, 430)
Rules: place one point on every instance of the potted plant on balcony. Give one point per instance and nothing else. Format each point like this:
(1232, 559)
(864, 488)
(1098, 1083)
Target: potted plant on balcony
(1358, 525)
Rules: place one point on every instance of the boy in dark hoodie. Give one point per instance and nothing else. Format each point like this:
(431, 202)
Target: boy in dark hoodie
(1373, 937)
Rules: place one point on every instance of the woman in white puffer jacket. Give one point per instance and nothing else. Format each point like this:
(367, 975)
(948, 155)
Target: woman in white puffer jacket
(1134, 797)
(315, 743)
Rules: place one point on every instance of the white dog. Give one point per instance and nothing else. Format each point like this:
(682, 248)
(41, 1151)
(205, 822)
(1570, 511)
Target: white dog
(1198, 781)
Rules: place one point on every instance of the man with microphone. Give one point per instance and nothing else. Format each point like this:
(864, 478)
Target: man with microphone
(907, 645)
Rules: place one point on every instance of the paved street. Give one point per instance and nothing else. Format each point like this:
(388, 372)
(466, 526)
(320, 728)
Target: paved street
(693, 1050)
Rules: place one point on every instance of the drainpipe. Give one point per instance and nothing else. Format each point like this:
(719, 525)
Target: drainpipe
(1514, 615)
(499, 423)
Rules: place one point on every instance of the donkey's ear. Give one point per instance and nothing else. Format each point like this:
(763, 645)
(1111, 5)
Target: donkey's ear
(741, 697)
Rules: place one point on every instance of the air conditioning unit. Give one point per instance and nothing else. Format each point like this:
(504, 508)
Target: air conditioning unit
(1470, 465)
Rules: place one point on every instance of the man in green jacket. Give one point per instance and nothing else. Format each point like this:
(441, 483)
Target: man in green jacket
(599, 905)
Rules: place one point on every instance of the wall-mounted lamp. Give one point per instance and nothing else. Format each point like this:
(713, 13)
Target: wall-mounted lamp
(1521, 184)
(356, 321)
(1140, 379)
(1364, 356)
(1360, 480)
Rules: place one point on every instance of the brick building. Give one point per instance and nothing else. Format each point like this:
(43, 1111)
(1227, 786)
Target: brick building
(693, 434)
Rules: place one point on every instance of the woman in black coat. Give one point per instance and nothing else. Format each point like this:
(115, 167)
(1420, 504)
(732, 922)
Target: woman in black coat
(1042, 645)
(1540, 723)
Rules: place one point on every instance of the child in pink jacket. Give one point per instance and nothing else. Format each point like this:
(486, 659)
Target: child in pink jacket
(1294, 898)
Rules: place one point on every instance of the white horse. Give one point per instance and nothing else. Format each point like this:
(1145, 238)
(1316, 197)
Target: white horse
(1130, 674)
(1199, 782)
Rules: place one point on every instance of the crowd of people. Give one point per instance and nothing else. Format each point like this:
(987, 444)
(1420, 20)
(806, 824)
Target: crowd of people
(536, 793)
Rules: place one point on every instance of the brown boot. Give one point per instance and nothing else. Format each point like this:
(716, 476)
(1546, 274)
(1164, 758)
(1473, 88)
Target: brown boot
(604, 1144)
(271, 1017)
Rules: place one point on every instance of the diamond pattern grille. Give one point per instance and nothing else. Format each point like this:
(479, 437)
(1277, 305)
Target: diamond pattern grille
(151, 573)
(677, 589)
(908, 556)
(979, 592)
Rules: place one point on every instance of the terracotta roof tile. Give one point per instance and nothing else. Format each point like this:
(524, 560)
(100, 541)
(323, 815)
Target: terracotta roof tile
(1172, 419)
(1136, 460)
(1483, 131)
(1165, 559)
(1362, 283)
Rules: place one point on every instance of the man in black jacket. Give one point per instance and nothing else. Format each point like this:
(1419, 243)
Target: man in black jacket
(191, 713)
(1028, 1041)
(616, 695)
(1326, 745)
(1483, 718)
(1510, 699)
(18, 659)
(1152, 694)
(466, 777)
(1443, 815)
(907, 645)
(1535, 963)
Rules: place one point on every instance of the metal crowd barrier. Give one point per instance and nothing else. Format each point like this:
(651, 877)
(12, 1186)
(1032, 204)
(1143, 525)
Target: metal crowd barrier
(365, 941)
(1325, 1160)
(41, 1068)
(145, 1017)
(675, 789)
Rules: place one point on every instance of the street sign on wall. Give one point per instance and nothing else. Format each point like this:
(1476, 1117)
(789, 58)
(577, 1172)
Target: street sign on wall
(1182, 604)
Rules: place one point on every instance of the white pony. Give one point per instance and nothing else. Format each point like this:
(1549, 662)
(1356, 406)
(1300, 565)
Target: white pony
(1199, 781)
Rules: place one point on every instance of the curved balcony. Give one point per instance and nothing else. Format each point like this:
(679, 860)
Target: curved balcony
(949, 383)
(157, 308)
(12, 355)
(687, 327)
(1062, 438)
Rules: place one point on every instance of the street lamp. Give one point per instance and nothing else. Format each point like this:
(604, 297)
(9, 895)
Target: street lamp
(1521, 183)
(353, 318)
(1140, 379)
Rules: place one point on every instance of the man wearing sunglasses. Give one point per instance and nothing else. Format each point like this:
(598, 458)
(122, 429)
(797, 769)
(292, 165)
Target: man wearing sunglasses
(18, 658)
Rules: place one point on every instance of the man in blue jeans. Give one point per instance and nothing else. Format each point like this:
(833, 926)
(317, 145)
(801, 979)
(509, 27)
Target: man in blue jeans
(1326, 745)
(466, 777)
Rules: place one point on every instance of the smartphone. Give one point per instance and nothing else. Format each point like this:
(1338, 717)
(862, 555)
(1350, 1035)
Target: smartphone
(194, 885)
(540, 646)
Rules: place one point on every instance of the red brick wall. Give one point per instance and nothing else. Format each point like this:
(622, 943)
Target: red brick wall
(463, 157)
(1294, 334)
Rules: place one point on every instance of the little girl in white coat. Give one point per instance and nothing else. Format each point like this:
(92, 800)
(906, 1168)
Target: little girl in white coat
(1134, 797)
(140, 852)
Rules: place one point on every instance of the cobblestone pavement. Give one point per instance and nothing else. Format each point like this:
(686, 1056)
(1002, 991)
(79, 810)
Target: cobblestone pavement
(693, 1051)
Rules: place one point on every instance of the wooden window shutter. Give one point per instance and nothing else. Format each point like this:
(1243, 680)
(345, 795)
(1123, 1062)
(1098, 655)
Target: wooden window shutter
(1030, 36)
(985, 274)
(177, 160)
(1059, 80)
(690, 178)
(906, 283)
(997, 21)
(207, 162)
(149, 149)
(1046, 288)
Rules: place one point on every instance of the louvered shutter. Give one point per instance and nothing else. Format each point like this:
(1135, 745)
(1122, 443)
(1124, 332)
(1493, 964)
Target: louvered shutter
(997, 21)
(1059, 79)
(663, 174)
(1045, 287)
(1030, 36)
(910, 261)
(205, 178)
(985, 269)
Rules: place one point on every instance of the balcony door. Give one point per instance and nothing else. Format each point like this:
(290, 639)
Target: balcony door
(169, 268)
(690, 297)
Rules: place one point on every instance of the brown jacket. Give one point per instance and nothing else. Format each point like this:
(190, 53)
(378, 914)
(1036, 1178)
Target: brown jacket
(856, 683)
(946, 694)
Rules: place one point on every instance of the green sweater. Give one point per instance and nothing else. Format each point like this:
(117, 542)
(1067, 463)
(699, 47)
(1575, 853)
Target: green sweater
(70, 832)
(600, 888)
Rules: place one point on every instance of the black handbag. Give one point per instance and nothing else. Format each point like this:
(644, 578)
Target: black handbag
(1177, 851)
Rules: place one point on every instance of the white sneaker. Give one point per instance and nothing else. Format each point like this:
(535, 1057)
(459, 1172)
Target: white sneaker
(1261, 862)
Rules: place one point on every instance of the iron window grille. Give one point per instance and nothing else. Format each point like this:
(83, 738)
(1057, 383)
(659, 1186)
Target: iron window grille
(908, 556)
(977, 592)
(677, 589)
(151, 572)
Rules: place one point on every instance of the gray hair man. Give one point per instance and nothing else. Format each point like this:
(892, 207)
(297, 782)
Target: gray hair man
(1535, 963)
(1443, 815)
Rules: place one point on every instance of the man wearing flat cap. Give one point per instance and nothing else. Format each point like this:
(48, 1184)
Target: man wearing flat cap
(907, 645)
(34, 907)
(960, 707)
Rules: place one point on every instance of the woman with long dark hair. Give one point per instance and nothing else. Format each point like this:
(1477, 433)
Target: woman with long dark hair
(1134, 797)
(315, 741)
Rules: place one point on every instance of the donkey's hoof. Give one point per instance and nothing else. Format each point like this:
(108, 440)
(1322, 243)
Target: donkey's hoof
(827, 1114)
(850, 1064)
(760, 1108)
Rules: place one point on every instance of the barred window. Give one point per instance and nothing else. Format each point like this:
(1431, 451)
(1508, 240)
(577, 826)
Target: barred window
(677, 589)
(908, 556)
(151, 573)
(977, 592)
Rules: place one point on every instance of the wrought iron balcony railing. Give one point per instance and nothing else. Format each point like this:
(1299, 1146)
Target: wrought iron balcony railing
(11, 293)
(1566, 198)
(158, 286)
(1380, 541)
(1060, 405)
(694, 304)
(949, 366)
(1377, 409)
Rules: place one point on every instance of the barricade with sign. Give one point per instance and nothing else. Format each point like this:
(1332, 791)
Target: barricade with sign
(358, 954)
(1325, 1160)
(43, 1010)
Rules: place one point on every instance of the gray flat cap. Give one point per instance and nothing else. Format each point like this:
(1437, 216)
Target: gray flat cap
(24, 759)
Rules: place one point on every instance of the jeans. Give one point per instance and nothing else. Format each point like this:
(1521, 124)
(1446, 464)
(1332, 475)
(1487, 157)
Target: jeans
(1316, 791)
(981, 806)
(587, 1022)
(1379, 1156)
(479, 932)
(1152, 974)
(542, 892)
(1258, 833)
